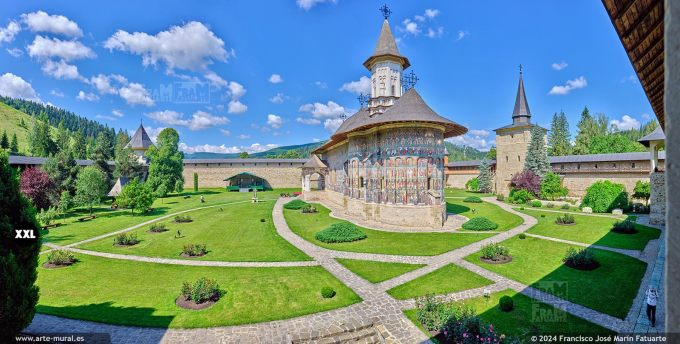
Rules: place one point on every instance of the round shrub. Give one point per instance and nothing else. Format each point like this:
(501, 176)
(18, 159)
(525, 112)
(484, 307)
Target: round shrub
(262, 220)
(500, 198)
(521, 196)
(536, 204)
(522, 236)
(295, 204)
(506, 304)
(494, 251)
(480, 224)
(61, 257)
(565, 219)
(582, 259)
(565, 206)
(550, 205)
(604, 196)
(472, 199)
(340, 232)
(472, 185)
(327, 292)
(626, 226)
(158, 227)
(203, 290)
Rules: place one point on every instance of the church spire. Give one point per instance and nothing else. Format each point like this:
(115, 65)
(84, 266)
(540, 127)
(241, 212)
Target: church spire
(386, 47)
(521, 112)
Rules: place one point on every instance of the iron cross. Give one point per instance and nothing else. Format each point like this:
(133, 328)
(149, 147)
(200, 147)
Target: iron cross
(385, 11)
(363, 99)
(409, 80)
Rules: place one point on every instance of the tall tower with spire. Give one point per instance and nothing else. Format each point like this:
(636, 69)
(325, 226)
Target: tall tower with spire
(512, 141)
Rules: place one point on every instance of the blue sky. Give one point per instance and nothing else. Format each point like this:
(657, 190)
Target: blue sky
(250, 75)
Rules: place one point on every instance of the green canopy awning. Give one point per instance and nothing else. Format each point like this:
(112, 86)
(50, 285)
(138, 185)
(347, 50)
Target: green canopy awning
(242, 174)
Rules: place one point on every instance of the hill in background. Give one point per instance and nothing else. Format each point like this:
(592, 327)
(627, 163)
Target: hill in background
(14, 121)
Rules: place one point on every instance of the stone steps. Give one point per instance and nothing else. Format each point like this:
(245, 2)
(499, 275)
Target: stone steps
(344, 333)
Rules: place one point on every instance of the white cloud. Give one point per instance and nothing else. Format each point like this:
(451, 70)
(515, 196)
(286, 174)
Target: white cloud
(103, 83)
(15, 52)
(90, 97)
(191, 46)
(435, 33)
(626, 123)
(462, 34)
(199, 120)
(43, 47)
(254, 148)
(275, 79)
(646, 116)
(236, 107)
(243, 137)
(431, 13)
(320, 110)
(8, 33)
(136, 94)
(479, 132)
(215, 79)
(61, 70)
(277, 99)
(411, 27)
(14, 86)
(559, 65)
(117, 113)
(225, 132)
(308, 121)
(577, 83)
(316, 140)
(419, 24)
(57, 93)
(473, 141)
(631, 78)
(42, 22)
(308, 4)
(321, 84)
(108, 118)
(236, 90)
(332, 124)
(363, 85)
(274, 121)
(153, 132)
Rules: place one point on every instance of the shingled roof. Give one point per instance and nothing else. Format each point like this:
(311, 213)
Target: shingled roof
(140, 140)
(386, 47)
(521, 105)
(656, 135)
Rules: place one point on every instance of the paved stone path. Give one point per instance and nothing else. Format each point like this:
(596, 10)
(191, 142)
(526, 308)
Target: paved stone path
(377, 308)
(632, 253)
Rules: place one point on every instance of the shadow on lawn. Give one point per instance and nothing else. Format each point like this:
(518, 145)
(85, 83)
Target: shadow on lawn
(105, 312)
(453, 208)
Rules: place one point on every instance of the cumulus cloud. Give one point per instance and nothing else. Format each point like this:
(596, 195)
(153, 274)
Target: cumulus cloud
(57, 93)
(199, 120)
(236, 90)
(135, 94)
(479, 132)
(61, 70)
(236, 107)
(43, 48)
(117, 113)
(215, 79)
(275, 79)
(363, 85)
(308, 121)
(571, 85)
(462, 34)
(105, 117)
(254, 148)
(431, 13)
(474, 141)
(103, 83)
(10, 31)
(321, 84)
(320, 110)
(625, 123)
(274, 121)
(191, 46)
(308, 4)
(411, 27)
(559, 65)
(332, 124)
(646, 116)
(420, 24)
(277, 98)
(42, 22)
(14, 86)
(90, 97)
(15, 52)
(435, 33)
(225, 132)
(243, 137)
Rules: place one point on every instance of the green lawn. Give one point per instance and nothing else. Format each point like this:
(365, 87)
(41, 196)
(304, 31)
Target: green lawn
(528, 314)
(451, 192)
(231, 233)
(609, 289)
(593, 230)
(376, 272)
(411, 244)
(109, 220)
(504, 219)
(143, 294)
(448, 279)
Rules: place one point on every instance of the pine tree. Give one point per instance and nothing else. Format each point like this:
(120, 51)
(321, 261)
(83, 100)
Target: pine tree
(14, 145)
(4, 141)
(63, 170)
(63, 137)
(166, 161)
(484, 177)
(103, 152)
(18, 257)
(79, 145)
(537, 155)
(585, 132)
(559, 136)
(40, 141)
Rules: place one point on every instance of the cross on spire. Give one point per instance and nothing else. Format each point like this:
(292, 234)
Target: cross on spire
(409, 80)
(363, 99)
(385, 11)
(520, 68)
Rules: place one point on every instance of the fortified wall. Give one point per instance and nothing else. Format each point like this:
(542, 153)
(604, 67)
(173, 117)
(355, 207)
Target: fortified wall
(278, 173)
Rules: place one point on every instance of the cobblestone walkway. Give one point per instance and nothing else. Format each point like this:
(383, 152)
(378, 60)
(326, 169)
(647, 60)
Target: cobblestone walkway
(377, 308)
(632, 253)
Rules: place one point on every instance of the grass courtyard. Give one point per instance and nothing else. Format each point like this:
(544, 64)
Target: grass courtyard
(376, 272)
(502, 218)
(447, 279)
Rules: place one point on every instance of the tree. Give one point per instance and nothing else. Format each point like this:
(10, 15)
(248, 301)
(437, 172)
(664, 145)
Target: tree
(18, 257)
(537, 156)
(195, 182)
(63, 171)
(526, 180)
(166, 161)
(484, 177)
(559, 137)
(243, 155)
(79, 145)
(14, 145)
(642, 190)
(551, 187)
(103, 152)
(65, 202)
(161, 192)
(614, 143)
(491, 154)
(37, 186)
(4, 141)
(588, 128)
(63, 137)
(179, 187)
(91, 186)
(135, 195)
(40, 141)
(127, 163)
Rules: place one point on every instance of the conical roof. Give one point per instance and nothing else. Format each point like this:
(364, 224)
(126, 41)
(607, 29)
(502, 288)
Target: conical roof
(140, 140)
(656, 135)
(386, 47)
(314, 162)
(521, 105)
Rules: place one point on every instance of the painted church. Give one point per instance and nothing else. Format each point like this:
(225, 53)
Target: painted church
(386, 162)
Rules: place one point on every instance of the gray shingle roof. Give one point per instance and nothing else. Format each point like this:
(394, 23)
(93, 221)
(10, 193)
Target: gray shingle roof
(521, 105)
(315, 162)
(469, 163)
(242, 161)
(633, 156)
(656, 135)
(140, 140)
(386, 46)
(34, 160)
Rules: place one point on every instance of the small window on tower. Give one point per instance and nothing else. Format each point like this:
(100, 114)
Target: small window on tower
(632, 165)
(393, 90)
(518, 158)
(506, 158)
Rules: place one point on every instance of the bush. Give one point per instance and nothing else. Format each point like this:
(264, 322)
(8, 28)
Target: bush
(565, 206)
(47, 216)
(480, 224)
(626, 226)
(194, 250)
(472, 199)
(522, 236)
(565, 219)
(604, 196)
(284, 194)
(183, 218)
(340, 232)
(520, 196)
(204, 289)
(463, 326)
(309, 209)
(125, 239)
(500, 198)
(642, 190)
(550, 205)
(295, 204)
(551, 187)
(527, 180)
(262, 220)
(327, 292)
(577, 258)
(506, 304)
(472, 185)
(431, 313)
(61, 257)
(494, 251)
(158, 227)
(536, 204)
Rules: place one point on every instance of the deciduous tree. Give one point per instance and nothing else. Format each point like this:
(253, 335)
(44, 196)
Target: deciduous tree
(166, 161)
(37, 186)
(91, 186)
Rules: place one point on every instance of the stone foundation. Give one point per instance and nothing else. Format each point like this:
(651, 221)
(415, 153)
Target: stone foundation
(657, 199)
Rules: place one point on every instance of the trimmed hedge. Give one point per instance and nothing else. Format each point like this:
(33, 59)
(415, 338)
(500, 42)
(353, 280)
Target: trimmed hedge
(520, 196)
(536, 204)
(327, 292)
(480, 224)
(472, 199)
(604, 196)
(295, 204)
(506, 304)
(340, 232)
